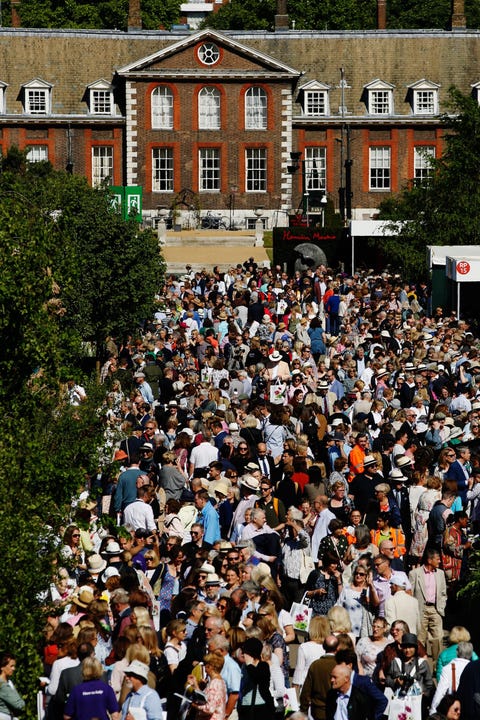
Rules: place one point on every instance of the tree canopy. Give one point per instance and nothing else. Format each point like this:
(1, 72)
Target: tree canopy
(71, 269)
(444, 210)
(244, 14)
(104, 14)
(340, 14)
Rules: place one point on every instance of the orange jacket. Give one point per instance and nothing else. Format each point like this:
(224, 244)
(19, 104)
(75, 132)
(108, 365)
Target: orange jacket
(396, 536)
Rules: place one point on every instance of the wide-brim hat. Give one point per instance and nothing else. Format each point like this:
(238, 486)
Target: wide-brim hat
(207, 568)
(396, 476)
(220, 487)
(249, 482)
(409, 640)
(96, 564)
(275, 356)
(322, 385)
(369, 460)
(111, 571)
(147, 447)
(111, 549)
(213, 579)
(403, 461)
(83, 596)
(139, 669)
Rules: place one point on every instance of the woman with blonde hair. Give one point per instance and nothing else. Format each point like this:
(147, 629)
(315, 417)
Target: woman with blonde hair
(274, 638)
(312, 649)
(340, 622)
(174, 637)
(136, 651)
(458, 634)
(215, 692)
(149, 640)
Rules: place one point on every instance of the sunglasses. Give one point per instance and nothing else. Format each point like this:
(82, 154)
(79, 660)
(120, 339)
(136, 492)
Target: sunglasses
(77, 535)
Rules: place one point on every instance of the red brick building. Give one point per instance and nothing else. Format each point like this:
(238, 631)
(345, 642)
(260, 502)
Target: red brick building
(220, 114)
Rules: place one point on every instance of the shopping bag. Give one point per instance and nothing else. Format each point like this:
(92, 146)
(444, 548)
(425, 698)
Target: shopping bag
(301, 614)
(406, 707)
(306, 567)
(290, 700)
(278, 393)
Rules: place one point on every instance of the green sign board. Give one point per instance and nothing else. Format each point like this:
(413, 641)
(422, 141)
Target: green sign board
(128, 201)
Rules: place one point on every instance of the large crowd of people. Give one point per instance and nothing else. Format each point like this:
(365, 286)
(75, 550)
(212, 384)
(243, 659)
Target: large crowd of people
(286, 511)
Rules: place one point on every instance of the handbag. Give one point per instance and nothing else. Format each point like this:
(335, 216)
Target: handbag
(408, 707)
(278, 392)
(306, 567)
(301, 614)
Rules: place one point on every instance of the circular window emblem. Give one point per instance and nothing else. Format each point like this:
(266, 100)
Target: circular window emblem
(208, 53)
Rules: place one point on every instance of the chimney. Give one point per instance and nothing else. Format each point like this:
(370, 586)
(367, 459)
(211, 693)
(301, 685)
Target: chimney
(281, 18)
(134, 15)
(381, 14)
(16, 22)
(459, 21)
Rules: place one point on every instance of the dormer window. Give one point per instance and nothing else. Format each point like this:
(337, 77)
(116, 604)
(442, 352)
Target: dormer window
(100, 98)
(379, 97)
(424, 97)
(3, 104)
(314, 98)
(37, 97)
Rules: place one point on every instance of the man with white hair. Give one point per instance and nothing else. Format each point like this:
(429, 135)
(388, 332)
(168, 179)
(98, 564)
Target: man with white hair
(400, 605)
(451, 673)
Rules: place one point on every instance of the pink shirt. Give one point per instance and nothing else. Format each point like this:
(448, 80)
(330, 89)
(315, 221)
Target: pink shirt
(430, 587)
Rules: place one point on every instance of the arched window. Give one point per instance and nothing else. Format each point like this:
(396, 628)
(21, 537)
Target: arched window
(162, 108)
(255, 109)
(209, 109)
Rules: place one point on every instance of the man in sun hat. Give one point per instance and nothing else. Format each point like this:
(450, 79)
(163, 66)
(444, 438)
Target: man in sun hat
(142, 702)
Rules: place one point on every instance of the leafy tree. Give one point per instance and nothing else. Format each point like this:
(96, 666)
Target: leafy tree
(96, 271)
(445, 209)
(70, 269)
(105, 14)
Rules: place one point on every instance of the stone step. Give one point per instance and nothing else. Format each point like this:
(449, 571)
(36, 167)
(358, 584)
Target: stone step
(221, 238)
(201, 256)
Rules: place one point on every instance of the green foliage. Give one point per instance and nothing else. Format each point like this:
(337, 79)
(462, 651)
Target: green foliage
(70, 270)
(445, 210)
(340, 14)
(105, 14)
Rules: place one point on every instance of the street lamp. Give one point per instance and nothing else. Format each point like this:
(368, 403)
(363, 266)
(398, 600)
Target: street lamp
(323, 202)
(233, 190)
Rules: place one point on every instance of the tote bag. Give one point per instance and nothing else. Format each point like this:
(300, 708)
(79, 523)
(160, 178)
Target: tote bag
(301, 614)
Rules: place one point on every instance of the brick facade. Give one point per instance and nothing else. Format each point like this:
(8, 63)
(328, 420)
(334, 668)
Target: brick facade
(413, 70)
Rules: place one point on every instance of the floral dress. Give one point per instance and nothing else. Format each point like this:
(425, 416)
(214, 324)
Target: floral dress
(420, 531)
(216, 694)
(352, 600)
(321, 604)
(367, 652)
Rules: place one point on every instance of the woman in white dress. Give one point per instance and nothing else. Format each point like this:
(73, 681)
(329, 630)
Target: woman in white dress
(312, 649)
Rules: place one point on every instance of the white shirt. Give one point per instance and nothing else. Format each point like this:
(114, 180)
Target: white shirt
(140, 516)
(446, 679)
(321, 530)
(203, 454)
(341, 713)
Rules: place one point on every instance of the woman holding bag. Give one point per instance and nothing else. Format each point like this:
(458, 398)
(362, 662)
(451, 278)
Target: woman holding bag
(255, 699)
(324, 585)
(410, 675)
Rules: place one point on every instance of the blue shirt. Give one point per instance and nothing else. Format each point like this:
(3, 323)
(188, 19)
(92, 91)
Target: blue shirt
(145, 698)
(208, 517)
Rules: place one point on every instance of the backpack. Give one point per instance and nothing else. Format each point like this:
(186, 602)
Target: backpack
(163, 676)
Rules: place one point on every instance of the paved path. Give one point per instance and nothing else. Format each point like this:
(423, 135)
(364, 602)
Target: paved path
(225, 250)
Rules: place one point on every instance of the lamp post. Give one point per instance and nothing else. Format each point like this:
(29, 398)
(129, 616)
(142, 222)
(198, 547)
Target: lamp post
(162, 213)
(323, 202)
(233, 190)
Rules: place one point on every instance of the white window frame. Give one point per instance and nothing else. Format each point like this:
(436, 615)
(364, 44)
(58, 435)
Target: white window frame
(3, 97)
(315, 103)
(380, 168)
(37, 98)
(100, 98)
(208, 53)
(256, 170)
(424, 97)
(379, 97)
(315, 99)
(422, 169)
(315, 167)
(37, 153)
(209, 179)
(209, 108)
(102, 159)
(163, 169)
(256, 108)
(161, 103)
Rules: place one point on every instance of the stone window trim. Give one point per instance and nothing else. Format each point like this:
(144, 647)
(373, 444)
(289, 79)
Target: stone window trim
(37, 97)
(314, 97)
(423, 97)
(378, 97)
(100, 98)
